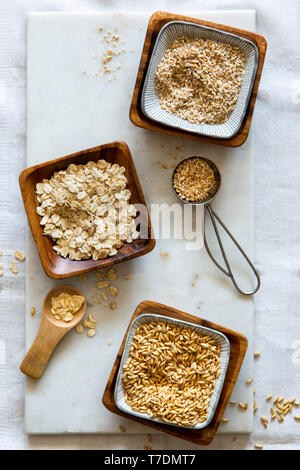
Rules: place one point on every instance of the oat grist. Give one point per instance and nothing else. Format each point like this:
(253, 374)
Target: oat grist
(171, 373)
(199, 80)
(194, 180)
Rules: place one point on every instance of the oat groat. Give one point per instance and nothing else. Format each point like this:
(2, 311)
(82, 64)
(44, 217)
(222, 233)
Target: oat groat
(171, 373)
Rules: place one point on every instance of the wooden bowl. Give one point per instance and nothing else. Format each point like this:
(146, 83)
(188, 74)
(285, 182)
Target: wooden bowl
(238, 348)
(55, 265)
(156, 22)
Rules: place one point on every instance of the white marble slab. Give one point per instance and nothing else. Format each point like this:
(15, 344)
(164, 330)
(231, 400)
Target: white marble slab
(68, 111)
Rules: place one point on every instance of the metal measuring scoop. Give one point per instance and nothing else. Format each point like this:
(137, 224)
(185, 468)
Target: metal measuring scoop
(213, 216)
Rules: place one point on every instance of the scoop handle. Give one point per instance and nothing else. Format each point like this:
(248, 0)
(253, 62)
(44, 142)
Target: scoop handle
(36, 360)
(214, 217)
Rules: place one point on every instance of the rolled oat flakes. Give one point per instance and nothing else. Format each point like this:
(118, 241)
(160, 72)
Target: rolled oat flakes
(85, 209)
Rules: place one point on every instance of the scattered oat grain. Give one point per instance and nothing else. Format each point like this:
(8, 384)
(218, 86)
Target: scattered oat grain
(13, 268)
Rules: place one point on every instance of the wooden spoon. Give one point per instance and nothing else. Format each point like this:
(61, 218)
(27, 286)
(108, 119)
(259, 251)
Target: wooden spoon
(51, 331)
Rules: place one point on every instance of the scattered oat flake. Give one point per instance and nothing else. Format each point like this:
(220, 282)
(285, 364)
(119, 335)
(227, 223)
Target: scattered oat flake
(232, 402)
(113, 305)
(14, 268)
(32, 312)
(256, 354)
(112, 290)
(109, 342)
(91, 332)
(89, 324)
(128, 277)
(102, 284)
(164, 254)
(249, 381)
(96, 300)
(264, 421)
(225, 420)
(19, 255)
(79, 328)
(111, 274)
(297, 418)
(92, 318)
(268, 397)
(122, 429)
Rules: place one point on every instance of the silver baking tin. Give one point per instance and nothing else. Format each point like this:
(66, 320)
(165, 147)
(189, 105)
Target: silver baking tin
(150, 98)
(224, 359)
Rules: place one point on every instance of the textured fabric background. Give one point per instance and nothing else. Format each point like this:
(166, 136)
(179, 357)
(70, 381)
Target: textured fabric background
(277, 221)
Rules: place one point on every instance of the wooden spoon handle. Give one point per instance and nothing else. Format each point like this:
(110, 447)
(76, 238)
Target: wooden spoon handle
(36, 360)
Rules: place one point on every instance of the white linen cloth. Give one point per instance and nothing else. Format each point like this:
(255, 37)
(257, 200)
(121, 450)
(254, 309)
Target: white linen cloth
(277, 223)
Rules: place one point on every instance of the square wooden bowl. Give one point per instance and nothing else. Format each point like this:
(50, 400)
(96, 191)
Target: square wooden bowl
(238, 348)
(55, 265)
(156, 22)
